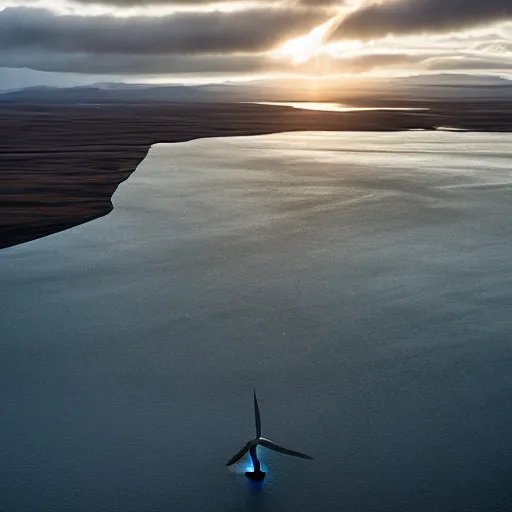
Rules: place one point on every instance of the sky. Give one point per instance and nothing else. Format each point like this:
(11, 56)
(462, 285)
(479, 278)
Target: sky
(64, 42)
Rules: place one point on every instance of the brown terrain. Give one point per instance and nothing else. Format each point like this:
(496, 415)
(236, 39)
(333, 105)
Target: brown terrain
(60, 165)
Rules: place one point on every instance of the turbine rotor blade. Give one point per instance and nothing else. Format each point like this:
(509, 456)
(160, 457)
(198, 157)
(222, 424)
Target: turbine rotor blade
(240, 455)
(257, 416)
(273, 446)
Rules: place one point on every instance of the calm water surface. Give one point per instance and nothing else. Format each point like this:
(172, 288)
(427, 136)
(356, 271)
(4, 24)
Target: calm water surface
(361, 281)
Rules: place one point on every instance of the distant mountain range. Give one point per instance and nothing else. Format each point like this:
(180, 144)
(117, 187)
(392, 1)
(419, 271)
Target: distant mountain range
(417, 88)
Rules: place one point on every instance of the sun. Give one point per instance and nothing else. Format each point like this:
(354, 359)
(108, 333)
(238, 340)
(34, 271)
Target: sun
(303, 48)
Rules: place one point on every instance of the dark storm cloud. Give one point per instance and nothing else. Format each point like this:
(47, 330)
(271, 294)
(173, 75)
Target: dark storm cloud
(181, 33)
(420, 16)
(115, 64)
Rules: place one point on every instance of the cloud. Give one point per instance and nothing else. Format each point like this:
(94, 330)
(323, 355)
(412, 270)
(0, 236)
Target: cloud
(322, 4)
(502, 46)
(206, 43)
(468, 64)
(420, 16)
(84, 63)
(369, 62)
(362, 63)
(88, 63)
(252, 30)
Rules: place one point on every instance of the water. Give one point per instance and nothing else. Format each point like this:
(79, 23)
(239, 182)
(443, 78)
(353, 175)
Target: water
(331, 107)
(361, 281)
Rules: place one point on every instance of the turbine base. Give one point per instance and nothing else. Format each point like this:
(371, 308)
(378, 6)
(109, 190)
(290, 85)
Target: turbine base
(257, 476)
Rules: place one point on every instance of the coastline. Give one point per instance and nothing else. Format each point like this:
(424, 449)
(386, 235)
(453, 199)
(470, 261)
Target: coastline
(61, 164)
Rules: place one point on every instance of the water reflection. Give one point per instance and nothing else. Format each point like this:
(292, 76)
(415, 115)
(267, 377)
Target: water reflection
(332, 107)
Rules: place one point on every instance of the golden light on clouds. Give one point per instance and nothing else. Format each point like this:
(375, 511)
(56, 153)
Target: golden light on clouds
(204, 40)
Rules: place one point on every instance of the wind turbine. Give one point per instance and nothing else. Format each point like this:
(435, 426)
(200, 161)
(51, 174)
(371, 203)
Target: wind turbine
(252, 445)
